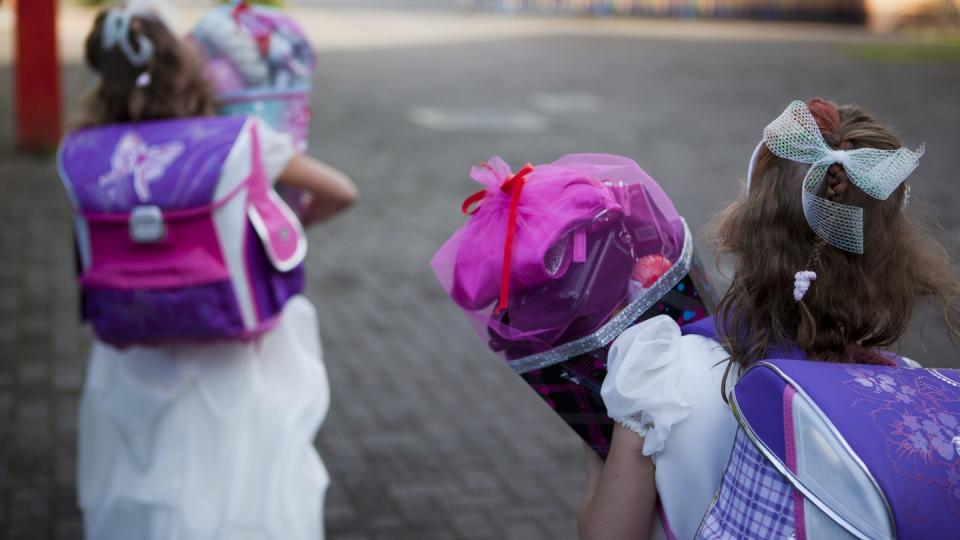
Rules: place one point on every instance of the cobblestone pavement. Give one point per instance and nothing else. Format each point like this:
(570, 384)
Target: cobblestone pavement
(428, 435)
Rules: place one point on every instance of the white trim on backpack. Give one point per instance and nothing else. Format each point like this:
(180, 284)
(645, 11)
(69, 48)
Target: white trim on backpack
(236, 169)
(80, 229)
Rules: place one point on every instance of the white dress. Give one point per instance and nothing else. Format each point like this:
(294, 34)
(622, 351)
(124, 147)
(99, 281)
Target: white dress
(208, 441)
(666, 387)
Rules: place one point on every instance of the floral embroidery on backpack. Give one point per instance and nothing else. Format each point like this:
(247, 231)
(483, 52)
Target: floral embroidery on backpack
(918, 420)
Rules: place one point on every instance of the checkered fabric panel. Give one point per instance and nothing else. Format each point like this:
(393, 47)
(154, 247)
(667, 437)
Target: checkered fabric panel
(754, 501)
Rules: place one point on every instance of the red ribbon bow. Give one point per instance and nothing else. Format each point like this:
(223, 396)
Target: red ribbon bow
(239, 8)
(514, 186)
(262, 39)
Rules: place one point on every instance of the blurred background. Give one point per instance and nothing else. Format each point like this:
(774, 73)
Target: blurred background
(429, 436)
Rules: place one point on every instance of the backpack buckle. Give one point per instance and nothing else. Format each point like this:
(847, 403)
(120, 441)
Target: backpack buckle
(147, 225)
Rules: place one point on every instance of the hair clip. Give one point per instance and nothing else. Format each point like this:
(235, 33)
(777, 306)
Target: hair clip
(116, 31)
(801, 283)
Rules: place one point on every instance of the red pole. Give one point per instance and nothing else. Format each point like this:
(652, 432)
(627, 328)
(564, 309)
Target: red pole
(37, 75)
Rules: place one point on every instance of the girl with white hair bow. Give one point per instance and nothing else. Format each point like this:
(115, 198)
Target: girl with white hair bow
(828, 265)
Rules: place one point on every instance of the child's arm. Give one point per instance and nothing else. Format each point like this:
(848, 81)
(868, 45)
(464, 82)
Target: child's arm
(620, 494)
(331, 190)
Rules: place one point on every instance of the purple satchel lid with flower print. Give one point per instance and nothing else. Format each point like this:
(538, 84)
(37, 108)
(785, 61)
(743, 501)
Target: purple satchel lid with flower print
(830, 450)
(873, 450)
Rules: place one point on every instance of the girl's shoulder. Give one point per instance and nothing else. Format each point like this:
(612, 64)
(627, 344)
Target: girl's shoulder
(656, 375)
(660, 341)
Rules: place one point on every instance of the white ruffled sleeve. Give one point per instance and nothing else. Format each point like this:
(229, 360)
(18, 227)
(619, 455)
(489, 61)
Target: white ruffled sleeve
(641, 390)
(276, 148)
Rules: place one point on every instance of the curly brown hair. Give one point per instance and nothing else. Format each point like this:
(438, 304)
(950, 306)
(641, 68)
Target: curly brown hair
(858, 303)
(177, 86)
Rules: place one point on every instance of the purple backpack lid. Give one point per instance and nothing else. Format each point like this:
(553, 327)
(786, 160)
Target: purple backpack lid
(172, 164)
(903, 425)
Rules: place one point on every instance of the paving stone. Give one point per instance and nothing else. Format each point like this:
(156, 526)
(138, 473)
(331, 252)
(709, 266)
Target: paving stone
(416, 534)
(66, 467)
(30, 512)
(33, 410)
(17, 532)
(473, 524)
(348, 535)
(9, 305)
(423, 511)
(334, 534)
(8, 336)
(6, 401)
(339, 511)
(69, 528)
(523, 530)
(480, 480)
(32, 372)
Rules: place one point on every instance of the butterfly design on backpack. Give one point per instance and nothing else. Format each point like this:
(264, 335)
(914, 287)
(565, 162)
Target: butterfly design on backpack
(146, 163)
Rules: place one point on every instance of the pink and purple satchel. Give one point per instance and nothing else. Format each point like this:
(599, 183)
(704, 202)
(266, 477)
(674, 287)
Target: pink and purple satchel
(180, 235)
(831, 451)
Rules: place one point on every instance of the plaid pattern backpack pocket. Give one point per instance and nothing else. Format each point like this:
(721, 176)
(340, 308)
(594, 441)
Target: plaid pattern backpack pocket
(754, 500)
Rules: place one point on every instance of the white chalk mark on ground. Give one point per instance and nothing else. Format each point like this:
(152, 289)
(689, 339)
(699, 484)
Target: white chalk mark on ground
(478, 120)
(569, 102)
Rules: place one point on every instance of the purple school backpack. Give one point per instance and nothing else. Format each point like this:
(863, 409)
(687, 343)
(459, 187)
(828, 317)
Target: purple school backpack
(831, 451)
(180, 235)
(260, 63)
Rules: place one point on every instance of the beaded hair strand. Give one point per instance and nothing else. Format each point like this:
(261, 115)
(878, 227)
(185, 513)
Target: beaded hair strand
(827, 116)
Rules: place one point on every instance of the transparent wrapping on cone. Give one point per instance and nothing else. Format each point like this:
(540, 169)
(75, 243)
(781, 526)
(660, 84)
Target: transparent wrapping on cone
(580, 227)
(260, 63)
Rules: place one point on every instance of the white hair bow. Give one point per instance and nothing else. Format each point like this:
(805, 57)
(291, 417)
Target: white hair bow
(794, 135)
(116, 31)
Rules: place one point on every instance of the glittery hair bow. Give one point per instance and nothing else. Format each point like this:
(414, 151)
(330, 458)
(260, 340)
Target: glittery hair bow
(794, 135)
(116, 31)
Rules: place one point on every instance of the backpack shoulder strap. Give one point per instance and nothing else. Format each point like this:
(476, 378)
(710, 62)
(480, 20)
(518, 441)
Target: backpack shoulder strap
(277, 226)
(704, 327)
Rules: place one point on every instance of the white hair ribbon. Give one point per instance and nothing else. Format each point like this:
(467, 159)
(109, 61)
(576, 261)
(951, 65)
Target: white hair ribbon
(116, 31)
(794, 135)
